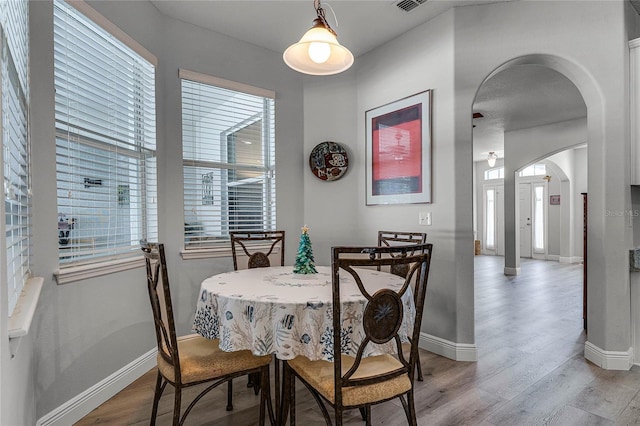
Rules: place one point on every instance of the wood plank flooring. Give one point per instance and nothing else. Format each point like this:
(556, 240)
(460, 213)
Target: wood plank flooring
(530, 369)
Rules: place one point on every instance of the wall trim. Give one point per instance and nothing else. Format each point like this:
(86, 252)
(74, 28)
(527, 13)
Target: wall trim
(554, 257)
(82, 404)
(511, 271)
(446, 348)
(609, 360)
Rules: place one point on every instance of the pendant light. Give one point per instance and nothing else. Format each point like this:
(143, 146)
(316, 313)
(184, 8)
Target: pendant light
(318, 51)
(491, 159)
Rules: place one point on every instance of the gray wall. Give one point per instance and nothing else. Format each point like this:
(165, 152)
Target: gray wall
(89, 329)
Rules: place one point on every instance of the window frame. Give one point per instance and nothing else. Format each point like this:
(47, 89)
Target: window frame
(221, 247)
(16, 257)
(105, 265)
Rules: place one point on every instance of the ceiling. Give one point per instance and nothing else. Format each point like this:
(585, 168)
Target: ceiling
(521, 97)
(516, 98)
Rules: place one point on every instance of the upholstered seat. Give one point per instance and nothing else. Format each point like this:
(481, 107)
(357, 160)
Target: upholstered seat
(319, 374)
(201, 359)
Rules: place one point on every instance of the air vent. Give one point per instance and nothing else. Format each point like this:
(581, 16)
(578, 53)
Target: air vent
(409, 5)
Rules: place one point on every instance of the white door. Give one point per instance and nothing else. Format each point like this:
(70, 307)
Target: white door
(539, 222)
(525, 220)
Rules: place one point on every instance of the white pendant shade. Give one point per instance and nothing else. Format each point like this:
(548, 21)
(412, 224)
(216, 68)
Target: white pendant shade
(318, 53)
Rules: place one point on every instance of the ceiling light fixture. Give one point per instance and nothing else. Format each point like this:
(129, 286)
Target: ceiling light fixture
(318, 51)
(491, 159)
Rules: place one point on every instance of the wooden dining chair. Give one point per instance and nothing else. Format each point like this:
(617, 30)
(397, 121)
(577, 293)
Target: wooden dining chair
(355, 381)
(259, 247)
(192, 360)
(395, 238)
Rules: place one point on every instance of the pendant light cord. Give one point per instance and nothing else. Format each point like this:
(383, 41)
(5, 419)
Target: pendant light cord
(321, 16)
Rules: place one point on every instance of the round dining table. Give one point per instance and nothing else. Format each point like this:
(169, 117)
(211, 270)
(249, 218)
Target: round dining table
(274, 311)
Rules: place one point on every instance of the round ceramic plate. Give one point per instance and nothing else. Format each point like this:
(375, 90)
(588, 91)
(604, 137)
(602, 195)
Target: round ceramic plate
(328, 161)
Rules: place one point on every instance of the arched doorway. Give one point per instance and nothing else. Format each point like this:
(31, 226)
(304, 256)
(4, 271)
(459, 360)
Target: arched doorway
(532, 112)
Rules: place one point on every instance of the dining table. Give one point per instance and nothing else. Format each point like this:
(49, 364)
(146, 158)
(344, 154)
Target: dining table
(276, 311)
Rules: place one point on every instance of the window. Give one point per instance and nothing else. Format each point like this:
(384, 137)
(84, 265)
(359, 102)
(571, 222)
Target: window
(105, 141)
(496, 173)
(490, 219)
(228, 139)
(14, 36)
(534, 170)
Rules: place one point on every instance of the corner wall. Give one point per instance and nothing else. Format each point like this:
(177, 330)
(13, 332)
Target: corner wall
(87, 330)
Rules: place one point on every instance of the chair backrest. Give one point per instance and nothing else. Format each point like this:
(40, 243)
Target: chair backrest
(160, 298)
(383, 314)
(260, 247)
(393, 238)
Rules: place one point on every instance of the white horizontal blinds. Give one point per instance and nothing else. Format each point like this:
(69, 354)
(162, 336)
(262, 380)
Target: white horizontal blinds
(228, 141)
(105, 142)
(15, 154)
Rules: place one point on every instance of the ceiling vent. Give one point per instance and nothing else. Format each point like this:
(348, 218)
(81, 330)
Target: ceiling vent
(409, 5)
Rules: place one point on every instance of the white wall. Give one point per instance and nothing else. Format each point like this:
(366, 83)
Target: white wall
(89, 329)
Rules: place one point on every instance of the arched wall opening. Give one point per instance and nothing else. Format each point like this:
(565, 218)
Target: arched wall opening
(594, 134)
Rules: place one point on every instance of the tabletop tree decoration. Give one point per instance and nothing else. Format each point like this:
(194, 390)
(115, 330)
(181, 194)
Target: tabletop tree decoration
(304, 258)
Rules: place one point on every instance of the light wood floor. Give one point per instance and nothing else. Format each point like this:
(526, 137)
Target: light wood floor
(530, 369)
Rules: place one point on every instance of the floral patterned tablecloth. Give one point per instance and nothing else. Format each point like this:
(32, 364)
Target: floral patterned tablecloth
(274, 311)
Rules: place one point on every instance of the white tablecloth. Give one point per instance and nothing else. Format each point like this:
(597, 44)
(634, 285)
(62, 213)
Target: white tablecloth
(274, 311)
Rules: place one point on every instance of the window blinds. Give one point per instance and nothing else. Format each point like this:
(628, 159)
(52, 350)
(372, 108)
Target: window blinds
(228, 142)
(15, 155)
(105, 142)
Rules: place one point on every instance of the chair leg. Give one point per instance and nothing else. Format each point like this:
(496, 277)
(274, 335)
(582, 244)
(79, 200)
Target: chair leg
(265, 397)
(176, 404)
(255, 380)
(230, 395)
(291, 386)
(363, 413)
(412, 410)
(156, 399)
(419, 367)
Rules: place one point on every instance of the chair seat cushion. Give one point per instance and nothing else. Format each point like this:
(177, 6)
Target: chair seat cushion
(319, 374)
(202, 359)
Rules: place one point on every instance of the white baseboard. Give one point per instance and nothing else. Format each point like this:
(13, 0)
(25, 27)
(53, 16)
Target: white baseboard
(511, 271)
(570, 259)
(446, 348)
(81, 405)
(554, 257)
(609, 360)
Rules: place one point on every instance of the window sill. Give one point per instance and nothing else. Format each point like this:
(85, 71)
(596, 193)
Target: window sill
(20, 319)
(222, 251)
(206, 253)
(83, 272)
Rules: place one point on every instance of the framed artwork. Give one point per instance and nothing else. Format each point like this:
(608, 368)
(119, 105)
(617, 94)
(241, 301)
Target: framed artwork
(398, 162)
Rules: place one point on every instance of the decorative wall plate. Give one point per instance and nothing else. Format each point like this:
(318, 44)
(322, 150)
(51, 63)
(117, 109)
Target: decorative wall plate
(328, 161)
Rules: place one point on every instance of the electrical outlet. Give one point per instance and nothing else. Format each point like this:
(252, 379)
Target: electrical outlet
(424, 218)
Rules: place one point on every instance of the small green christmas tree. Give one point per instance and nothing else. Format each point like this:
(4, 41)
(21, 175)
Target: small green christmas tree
(304, 259)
